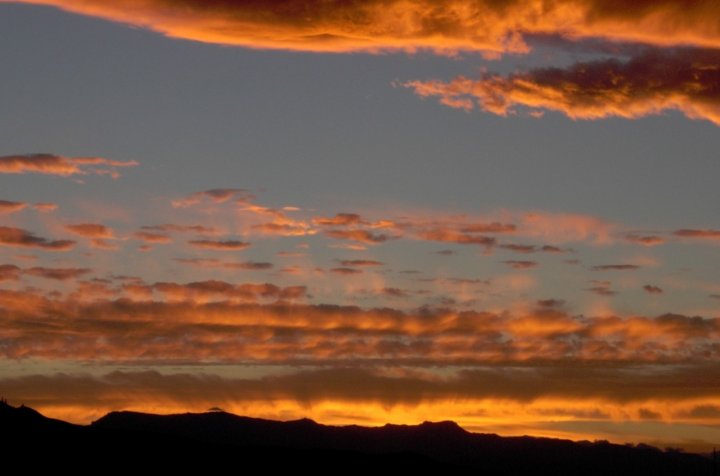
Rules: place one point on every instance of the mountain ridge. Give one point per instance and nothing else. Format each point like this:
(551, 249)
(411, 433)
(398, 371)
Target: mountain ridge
(215, 438)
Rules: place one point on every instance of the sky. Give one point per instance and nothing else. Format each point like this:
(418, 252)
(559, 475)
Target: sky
(502, 213)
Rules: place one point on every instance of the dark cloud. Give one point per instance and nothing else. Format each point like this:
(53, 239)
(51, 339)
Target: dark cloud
(616, 267)
(515, 264)
(687, 80)
(59, 274)
(650, 289)
(18, 237)
(346, 271)
(220, 245)
(360, 262)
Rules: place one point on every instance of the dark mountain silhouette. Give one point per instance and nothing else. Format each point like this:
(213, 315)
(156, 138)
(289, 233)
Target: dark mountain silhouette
(221, 440)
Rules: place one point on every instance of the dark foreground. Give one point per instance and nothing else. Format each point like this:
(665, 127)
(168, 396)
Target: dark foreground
(218, 440)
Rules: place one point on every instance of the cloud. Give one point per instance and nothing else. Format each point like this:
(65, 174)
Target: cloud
(346, 271)
(339, 219)
(566, 228)
(449, 235)
(7, 207)
(360, 262)
(645, 240)
(58, 274)
(214, 290)
(215, 195)
(45, 207)
(493, 227)
(390, 25)
(215, 263)
(90, 230)
(158, 238)
(648, 84)
(220, 245)
(220, 321)
(531, 248)
(363, 236)
(616, 267)
(9, 272)
(551, 303)
(701, 234)
(284, 229)
(396, 292)
(18, 237)
(650, 289)
(515, 264)
(174, 228)
(62, 166)
(601, 288)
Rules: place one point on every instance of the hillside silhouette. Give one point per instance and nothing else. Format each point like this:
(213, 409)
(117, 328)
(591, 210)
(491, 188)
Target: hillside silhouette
(130, 440)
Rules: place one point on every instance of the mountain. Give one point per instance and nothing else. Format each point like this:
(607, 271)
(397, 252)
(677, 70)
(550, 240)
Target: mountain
(130, 440)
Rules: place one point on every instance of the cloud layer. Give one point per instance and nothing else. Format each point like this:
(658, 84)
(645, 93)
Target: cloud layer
(382, 25)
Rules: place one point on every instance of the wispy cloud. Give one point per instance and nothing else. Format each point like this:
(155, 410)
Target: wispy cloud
(647, 84)
(49, 164)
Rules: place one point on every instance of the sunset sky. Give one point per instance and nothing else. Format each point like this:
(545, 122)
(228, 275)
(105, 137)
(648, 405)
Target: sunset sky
(500, 212)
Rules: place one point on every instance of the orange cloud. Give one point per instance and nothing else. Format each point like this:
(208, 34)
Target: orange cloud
(381, 25)
(9, 272)
(7, 207)
(214, 290)
(339, 219)
(645, 240)
(90, 230)
(702, 234)
(18, 237)
(452, 236)
(220, 245)
(45, 207)
(648, 84)
(494, 227)
(363, 236)
(147, 237)
(63, 166)
(219, 321)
